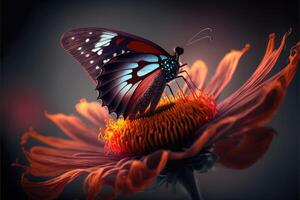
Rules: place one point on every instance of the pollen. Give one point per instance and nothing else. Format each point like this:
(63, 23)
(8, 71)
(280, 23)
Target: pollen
(171, 126)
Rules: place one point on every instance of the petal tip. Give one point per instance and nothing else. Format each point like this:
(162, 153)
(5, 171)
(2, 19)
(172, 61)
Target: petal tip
(272, 36)
(82, 100)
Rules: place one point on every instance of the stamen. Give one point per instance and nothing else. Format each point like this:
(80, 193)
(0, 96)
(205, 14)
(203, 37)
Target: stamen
(171, 128)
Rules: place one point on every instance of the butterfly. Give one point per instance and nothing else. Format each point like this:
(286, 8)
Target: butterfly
(131, 73)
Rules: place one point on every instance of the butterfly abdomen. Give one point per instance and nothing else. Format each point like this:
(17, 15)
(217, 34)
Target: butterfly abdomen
(148, 93)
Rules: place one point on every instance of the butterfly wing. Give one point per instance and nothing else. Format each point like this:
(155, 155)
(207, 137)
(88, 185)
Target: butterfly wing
(94, 47)
(124, 81)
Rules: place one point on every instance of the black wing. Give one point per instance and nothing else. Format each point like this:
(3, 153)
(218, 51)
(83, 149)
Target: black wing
(94, 47)
(125, 79)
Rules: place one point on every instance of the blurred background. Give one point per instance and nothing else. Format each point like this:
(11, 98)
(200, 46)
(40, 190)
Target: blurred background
(37, 75)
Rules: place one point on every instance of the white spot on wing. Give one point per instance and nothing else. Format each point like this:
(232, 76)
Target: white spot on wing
(102, 43)
(87, 40)
(96, 49)
(72, 38)
(87, 55)
(91, 61)
(100, 52)
(105, 39)
(90, 33)
(97, 67)
(79, 48)
(106, 60)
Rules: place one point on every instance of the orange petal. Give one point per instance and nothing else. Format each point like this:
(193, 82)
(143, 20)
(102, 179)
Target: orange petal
(254, 109)
(75, 128)
(46, 161)
(50, 189)
(258, 77)
(93, 111)
(127, 177)
(139, 174)
(58, 142)
(224, 72)
(198, 73)
(243, 149)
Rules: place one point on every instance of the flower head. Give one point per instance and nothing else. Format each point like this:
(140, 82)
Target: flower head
(168, 128)
(128, 155)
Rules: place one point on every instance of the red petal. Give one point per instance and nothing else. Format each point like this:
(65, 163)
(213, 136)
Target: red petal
(51, 189)
(258, 77)
(126, 177)
(252, 109)
(58, 142)
(224, 72)
(75, 128)
(66, 155)
(198, 73)
(243, 149)
(93, 111)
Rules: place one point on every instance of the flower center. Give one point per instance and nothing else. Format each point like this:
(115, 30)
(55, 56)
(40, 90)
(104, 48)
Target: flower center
(169, 127)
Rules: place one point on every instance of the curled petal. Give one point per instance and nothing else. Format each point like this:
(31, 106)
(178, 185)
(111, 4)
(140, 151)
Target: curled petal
(123, 176)
(46, 161)
(265, 99)
(243, 149)
(224, 72)
(256, 80)
(62, 155)
(75, 128)
(57, 142)
(255, 110)
(140, 173)
(50, 189)
(93, 111)
(128, 176)
(198, 73)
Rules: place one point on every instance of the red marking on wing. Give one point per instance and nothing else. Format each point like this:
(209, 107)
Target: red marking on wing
(142, 47)
(119, 40)
(141, 89)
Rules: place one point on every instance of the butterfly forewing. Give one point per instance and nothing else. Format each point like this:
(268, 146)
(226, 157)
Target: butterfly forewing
(118, 61)
(94, 47)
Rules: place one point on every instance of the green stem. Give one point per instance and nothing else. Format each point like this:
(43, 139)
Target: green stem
(187, 179)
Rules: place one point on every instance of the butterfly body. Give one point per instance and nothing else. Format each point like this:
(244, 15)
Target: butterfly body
(131, 72)
(170, 68)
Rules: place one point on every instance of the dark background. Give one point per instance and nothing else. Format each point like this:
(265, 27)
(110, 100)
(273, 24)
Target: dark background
(37, 75)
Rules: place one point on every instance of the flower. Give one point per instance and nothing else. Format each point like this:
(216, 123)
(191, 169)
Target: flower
(127, 158)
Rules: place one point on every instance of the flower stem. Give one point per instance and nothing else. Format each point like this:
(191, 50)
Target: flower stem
(187, 179)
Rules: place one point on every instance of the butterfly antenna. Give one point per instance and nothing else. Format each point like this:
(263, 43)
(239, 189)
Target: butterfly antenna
(193, 39)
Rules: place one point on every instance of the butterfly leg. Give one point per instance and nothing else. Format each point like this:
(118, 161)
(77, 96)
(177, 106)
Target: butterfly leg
(170, 89)
(180, 89)
(184, 71)
(188, 84)
(168, 97)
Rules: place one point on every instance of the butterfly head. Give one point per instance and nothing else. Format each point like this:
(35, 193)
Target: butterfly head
(178, 51)
(170, 66)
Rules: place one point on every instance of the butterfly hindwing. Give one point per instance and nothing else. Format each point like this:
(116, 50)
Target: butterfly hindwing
(95, 47)
(125, 76)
